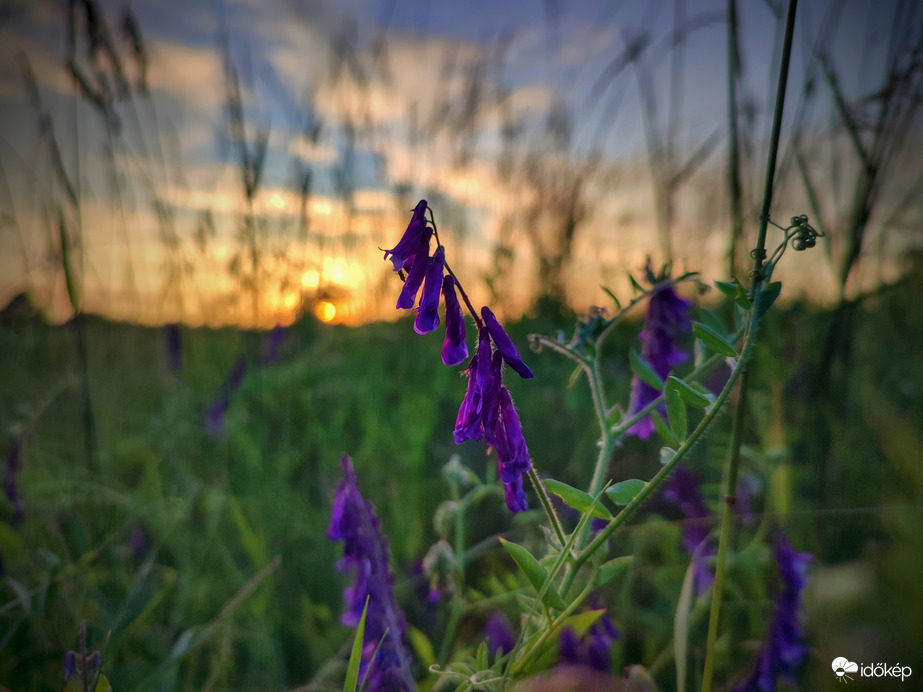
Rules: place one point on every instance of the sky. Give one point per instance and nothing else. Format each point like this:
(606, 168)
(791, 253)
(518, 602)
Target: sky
(536, 143)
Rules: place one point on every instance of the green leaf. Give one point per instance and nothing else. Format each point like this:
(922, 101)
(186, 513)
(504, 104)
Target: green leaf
(643, 370)
(743, 300)
(634, 284)
(355, 656)
(713, 340)
(577, 499)
(623, 492)
(676, 413)
(422, 646)
(768, 297)
(611, 569)
(681, 625)
(730, 290)
(713, 320)
(689, 394)
(660, 425)
(481, 656)
(618, 304)
(534, 572)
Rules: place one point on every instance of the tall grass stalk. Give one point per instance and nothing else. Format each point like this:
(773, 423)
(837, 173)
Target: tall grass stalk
(733, 458)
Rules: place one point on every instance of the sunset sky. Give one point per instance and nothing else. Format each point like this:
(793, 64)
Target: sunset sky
(500, 114)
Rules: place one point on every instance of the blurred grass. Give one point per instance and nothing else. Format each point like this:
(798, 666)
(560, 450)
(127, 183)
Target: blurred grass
(202, 604)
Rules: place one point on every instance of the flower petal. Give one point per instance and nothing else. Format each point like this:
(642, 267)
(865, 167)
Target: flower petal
(403, 253)
(454, 348)
(428, 315)
(505, 344)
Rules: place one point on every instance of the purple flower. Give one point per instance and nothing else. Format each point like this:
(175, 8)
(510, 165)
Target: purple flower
(365, 550)
(784, 650)
(428, 313)
(137, 542)
(272, 344)
(74, 664)
(10, 488)
(454, 348)
(469, 424)
(402, 255)
(682, 490)
(505, 344)
(214, 417)
(499, 634)
(593, 649)
(665, 322)
(418, 264)
(512, 453)
(174, 346)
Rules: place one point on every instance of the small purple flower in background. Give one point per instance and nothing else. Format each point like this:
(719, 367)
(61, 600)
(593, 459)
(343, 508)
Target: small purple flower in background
(365, 549)
(665, 322)
(73, 666)
(174, 346)
(454, 348)
(682, 490)
(214, 417)
(784, 650)
(138, 543)
(10, 488)
(272, 343)
(593, 649)
(499, 634)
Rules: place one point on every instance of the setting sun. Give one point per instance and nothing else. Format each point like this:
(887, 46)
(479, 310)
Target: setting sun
(325, 311)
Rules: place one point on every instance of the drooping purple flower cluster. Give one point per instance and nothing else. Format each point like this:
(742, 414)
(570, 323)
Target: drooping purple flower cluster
(784, 649)
(682, 490)
(412, 254)
(665, 322)
(593, 649)
(487, 410)
(365, 550)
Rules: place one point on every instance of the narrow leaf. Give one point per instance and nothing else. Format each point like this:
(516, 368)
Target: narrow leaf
(688, 393)
(355, 656)
(768, 297)
(623, 492)
(534, 572)
(577, 499)
(611, 569)
(713, 340)
(713, 320)
(634, 283)
(676, 413)
(730, 290)
(643, 370)
(743, 300)
(660, 425)
(618, 304)
(681, 626)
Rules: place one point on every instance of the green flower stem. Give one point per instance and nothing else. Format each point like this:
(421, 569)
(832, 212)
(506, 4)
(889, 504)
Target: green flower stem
(759, 253)
(546, 504)
(655, 482)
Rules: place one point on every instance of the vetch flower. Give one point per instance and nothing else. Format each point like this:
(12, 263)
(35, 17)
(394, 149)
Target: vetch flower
(784, 650)
(469, 424)
(665, 322)
(365, 550)
(682, 490)
(454, 348)
(214, 417)
(418, 264)
(402, 254)
(499, 634)
(428, 313)
(593, 649)
(505, 344)
(512, 453)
